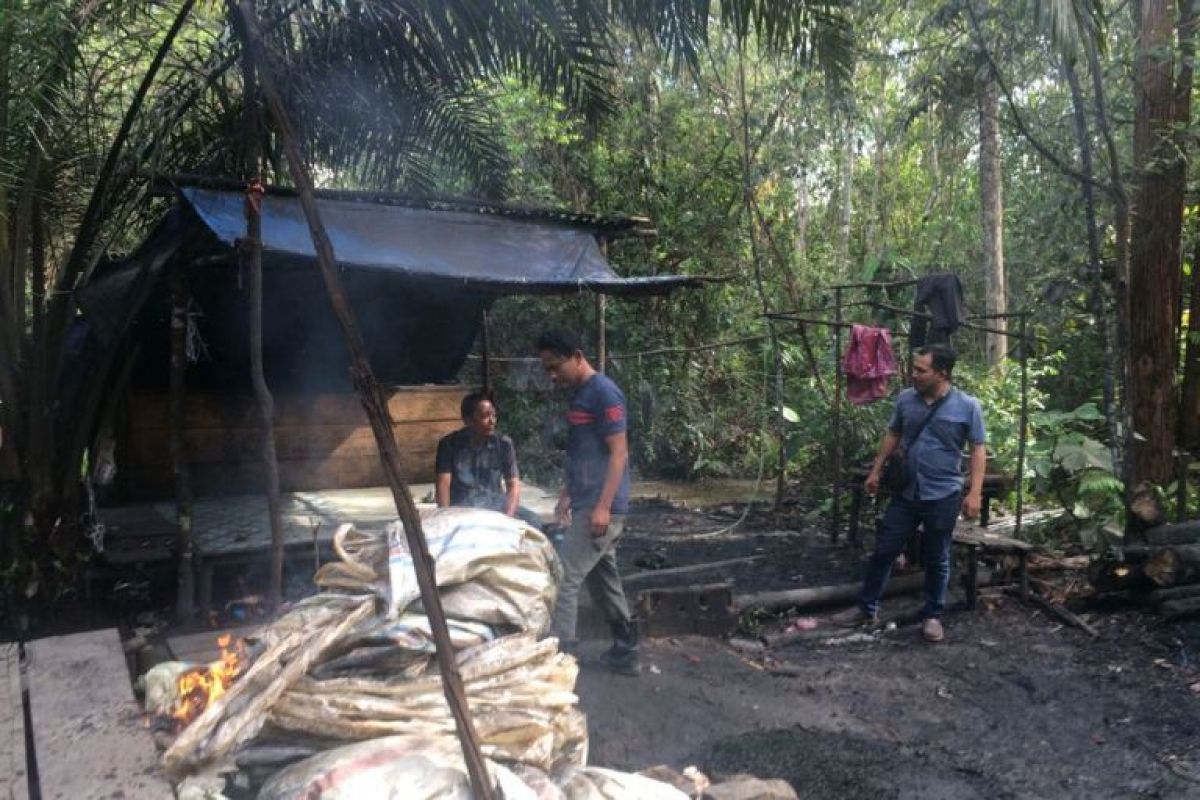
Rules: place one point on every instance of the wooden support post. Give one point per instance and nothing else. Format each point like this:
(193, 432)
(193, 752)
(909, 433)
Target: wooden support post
(601, 333)
(250, 255)
(972, 575)
(1023, 429)
(185, 591)
(856, 501)
(836, 511)
(375, 405)
(485, 363)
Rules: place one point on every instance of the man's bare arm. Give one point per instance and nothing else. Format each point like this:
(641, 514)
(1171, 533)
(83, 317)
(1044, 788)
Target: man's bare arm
(442, 490)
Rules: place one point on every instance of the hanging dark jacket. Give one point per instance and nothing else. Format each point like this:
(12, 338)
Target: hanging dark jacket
(939, 296)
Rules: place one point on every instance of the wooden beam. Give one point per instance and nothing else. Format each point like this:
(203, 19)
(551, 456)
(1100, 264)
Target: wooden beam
(375, 404)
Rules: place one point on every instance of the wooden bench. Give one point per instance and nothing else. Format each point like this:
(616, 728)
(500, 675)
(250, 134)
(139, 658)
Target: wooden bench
(88, 734)
(980, 541)
(994, 485)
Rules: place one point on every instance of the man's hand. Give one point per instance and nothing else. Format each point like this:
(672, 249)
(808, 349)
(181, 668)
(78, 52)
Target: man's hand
(871, 484)
(562, 511)
(600, 519)
(971, 505)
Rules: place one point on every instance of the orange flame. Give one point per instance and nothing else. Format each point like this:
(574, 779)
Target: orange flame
(200, 687)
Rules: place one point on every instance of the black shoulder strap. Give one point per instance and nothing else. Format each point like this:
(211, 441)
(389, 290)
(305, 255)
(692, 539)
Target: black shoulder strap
(933, 410)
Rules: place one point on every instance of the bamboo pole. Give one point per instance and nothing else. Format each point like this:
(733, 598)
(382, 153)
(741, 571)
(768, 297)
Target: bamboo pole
(185, 591)
(601, 333)
(836, 512)
(485, 366)
(375, 405)
(601, 319)
(1024, 424)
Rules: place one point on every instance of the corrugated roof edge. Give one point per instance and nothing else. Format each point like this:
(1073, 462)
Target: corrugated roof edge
(609, 225)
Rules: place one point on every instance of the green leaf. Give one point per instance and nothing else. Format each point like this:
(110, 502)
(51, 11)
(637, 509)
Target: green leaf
(1077, 453)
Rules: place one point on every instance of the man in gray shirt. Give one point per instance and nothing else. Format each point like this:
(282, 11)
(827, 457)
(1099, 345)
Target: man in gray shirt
(933, 496)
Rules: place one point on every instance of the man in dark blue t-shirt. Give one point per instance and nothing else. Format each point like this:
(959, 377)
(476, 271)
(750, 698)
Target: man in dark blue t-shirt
(593, 504)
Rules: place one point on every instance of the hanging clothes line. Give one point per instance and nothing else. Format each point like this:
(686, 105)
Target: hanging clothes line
(663, 351)
(838, 323)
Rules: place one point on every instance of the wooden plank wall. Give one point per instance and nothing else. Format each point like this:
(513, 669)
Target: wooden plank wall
(322, 441)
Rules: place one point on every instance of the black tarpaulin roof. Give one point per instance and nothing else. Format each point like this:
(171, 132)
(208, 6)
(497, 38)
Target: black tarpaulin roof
(486, 252)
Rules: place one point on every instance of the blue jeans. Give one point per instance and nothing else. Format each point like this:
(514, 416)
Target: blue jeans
(937, 519)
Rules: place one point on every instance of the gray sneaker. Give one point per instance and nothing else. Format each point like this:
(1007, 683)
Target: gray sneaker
(932, 630)
(853, 618)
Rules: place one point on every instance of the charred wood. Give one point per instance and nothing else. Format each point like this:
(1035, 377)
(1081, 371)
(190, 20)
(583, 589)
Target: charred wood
(1178, 533)
(1171, 566)
(1178, 609)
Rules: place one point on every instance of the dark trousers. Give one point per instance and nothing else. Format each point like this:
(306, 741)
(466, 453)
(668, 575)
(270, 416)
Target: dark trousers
(936, 519)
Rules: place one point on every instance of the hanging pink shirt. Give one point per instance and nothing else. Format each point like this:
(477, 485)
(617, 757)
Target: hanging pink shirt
(868, 364)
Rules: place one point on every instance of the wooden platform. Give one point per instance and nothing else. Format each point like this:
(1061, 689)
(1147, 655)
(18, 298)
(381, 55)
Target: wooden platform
(14, 779)
(88, 733)
(234, 530)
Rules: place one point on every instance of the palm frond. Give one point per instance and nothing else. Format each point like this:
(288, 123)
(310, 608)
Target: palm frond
(1071, 22)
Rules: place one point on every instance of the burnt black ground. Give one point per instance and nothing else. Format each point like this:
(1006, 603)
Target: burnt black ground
(1013, 705)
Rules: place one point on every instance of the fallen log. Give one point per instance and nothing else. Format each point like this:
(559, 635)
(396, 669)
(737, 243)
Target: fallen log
(1178, 533)
(816, 596)
(843, 593)
(1171, 566)
(650, 574)
(1145, 508)
(1177, 609)
(1175, 593)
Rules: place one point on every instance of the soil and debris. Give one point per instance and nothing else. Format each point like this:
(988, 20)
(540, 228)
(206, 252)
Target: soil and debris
(1013, 705)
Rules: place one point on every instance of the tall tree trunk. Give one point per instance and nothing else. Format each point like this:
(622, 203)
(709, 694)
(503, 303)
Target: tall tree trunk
(1120, 277)
(1189, 433)
(759, 282)
(800, 182)
(991, 202)
(1155, 288)
(7, 21)
(1099, 300)
(845, 198)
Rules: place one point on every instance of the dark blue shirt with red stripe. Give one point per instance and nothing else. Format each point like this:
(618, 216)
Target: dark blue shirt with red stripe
(597, 411)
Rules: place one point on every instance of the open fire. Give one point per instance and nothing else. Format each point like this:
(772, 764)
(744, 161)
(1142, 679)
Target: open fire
(200, 687)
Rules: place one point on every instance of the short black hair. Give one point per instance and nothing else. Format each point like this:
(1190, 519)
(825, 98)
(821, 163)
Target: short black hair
(941, 356)
(560, 342)
(472, 401)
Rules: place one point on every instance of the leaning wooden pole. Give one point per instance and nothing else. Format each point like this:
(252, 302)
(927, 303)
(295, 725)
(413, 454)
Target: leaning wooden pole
(375, 404)
(250, 256)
